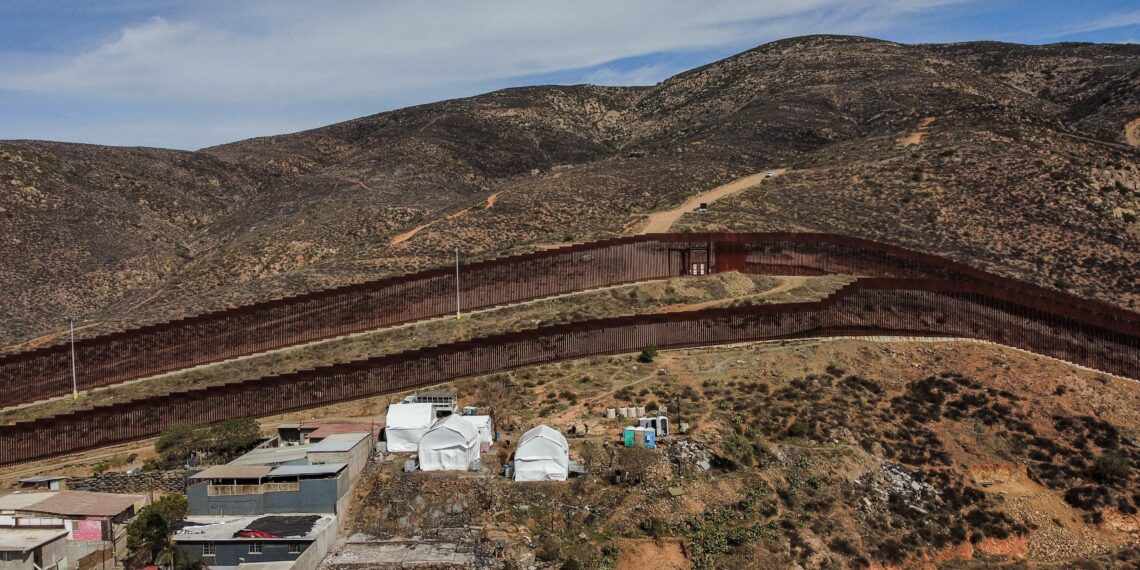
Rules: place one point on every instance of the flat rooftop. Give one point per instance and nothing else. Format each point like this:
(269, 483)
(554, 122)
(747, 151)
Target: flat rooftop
(27, 539)
(338, 442)
(228, 529)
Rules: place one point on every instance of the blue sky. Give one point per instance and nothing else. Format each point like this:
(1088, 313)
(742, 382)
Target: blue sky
(188, 74)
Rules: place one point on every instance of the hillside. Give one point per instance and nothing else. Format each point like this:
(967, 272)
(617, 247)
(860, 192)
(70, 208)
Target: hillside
(1014, 158)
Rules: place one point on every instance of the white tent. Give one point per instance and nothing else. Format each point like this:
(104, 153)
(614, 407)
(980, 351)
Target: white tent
(451, 444)
(484, 426)
(542, 455)
(406, 424)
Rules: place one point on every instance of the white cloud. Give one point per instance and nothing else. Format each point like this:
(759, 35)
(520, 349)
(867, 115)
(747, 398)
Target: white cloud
(292, 53)
(1112, 22)
(306, 51)
(643, 75)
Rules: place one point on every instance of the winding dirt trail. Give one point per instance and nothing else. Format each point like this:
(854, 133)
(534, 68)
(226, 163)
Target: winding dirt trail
(401, 238)
(47, 338)
(660, 222)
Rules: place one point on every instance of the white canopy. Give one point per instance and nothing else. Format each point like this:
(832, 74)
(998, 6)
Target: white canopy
(451, 444)
(483, 425)
(406, 424)
(542, 455)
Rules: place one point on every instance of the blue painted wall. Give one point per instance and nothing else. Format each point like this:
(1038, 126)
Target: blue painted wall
(314, 496)
(230, 553)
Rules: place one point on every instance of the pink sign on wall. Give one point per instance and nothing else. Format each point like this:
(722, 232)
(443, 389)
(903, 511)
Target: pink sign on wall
(87, 530)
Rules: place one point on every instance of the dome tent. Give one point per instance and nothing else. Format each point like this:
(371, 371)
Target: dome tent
(542, 455)
(485, 427)
(451, 444)
(406, 424)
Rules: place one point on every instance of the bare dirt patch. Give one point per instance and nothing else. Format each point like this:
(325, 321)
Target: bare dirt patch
(660, 554)
(915, 138)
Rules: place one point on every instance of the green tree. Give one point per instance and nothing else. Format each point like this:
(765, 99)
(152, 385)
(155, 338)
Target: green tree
(234, 437)
(149, 536)
(171, 507)
(176, 444)
(648, 354)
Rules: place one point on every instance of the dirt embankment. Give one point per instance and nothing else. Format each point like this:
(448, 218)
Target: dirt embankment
(1132, 132)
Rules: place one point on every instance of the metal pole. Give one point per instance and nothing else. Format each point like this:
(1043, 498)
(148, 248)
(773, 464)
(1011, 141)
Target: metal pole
(457, 283)
(74, 376)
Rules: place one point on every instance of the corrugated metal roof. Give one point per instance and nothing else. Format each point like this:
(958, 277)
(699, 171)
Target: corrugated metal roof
(234, 472)
(295, 470)
(338, 442)
(43, 478)
(272, 455)
(85, 503)
(436, 394)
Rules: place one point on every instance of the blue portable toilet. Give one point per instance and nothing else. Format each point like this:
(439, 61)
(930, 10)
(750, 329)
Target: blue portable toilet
(650, 437)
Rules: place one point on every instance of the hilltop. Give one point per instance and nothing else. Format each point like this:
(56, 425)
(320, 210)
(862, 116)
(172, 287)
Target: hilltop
(1018, 159)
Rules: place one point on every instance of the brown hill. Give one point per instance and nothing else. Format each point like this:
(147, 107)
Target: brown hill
(1010, 157)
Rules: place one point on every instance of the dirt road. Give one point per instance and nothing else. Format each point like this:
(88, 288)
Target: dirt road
(660, 222)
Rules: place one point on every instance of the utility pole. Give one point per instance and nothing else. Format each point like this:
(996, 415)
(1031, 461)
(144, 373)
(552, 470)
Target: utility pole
(74, 376)
(457, 282)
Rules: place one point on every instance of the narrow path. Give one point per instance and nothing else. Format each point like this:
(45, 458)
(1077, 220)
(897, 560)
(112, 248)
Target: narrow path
(401, 238)
(660, 222)
(45, 339)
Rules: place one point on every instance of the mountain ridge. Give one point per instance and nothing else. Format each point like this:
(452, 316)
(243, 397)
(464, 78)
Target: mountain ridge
(129, 235)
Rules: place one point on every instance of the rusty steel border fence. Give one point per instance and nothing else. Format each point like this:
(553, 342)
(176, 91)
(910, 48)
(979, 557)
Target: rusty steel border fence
(874, 306)
(146, 351)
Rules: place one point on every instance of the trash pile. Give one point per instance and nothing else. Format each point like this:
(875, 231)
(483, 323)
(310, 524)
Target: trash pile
(892, 480)
(685, 453)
